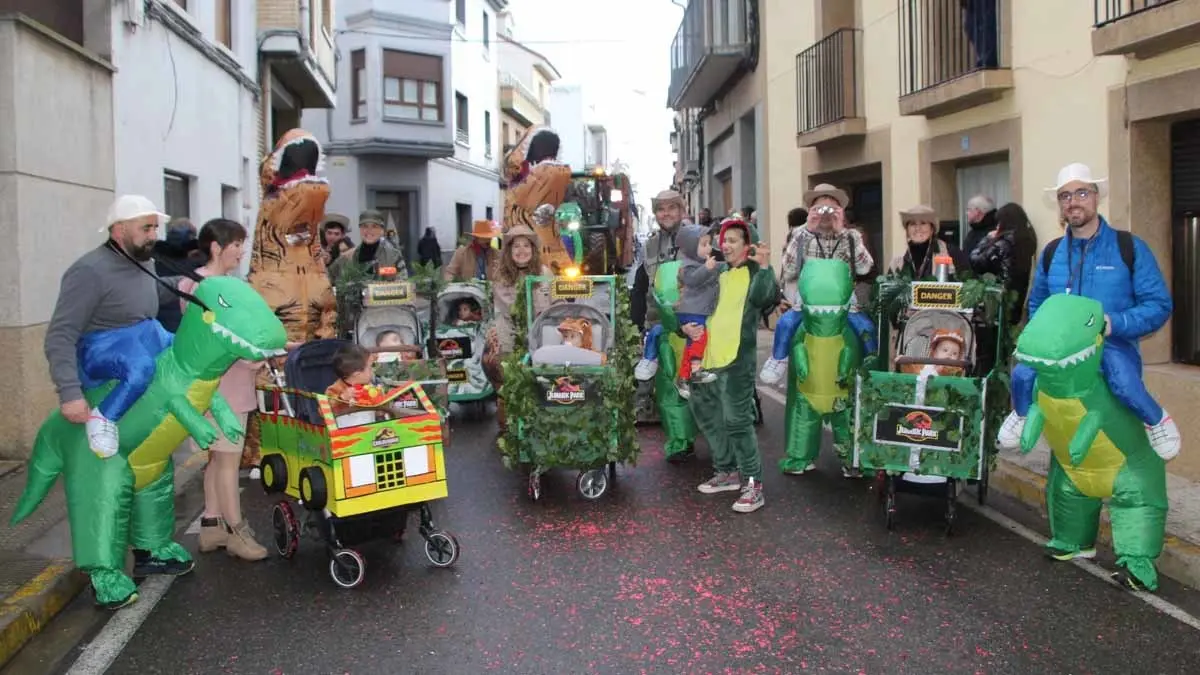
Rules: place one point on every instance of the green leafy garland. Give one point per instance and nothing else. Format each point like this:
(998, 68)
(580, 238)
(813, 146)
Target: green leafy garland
(348, 289)
(586, 436)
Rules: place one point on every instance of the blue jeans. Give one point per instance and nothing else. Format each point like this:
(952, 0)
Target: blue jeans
(980, 19)
(650, 350)
(1121, 366)
(125, 355)
(785, 330)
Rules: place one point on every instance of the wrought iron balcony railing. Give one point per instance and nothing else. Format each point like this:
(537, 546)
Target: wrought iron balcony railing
(712, 40)
(827, 81)
(1108, 11)
(942, 40)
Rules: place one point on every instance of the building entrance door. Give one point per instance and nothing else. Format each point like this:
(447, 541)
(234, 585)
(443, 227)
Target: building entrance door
(991, 179)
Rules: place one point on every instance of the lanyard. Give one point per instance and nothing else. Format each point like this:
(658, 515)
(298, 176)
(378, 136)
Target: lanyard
(821, 249)
(1076, 273)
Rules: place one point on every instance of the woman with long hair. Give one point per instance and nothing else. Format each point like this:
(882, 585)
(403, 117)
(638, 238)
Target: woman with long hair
(221, 243)
(1008, 252)
(519, 257)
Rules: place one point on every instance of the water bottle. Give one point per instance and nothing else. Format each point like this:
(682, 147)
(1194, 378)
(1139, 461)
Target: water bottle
(943, 266)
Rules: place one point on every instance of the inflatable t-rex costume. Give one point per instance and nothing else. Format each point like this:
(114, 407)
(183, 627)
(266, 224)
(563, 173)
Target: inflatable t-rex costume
(129, 499)
(824, 355)
(1099, 447)
(533, 177)
(285, 260)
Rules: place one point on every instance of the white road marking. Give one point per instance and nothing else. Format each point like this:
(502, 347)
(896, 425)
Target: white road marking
(110, 642)
(1171, 610)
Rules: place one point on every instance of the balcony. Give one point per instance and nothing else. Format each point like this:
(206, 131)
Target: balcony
(298, 48)
(953, 55)
(517, 100)
(712, 43)
(1144, 28)
(827, 100)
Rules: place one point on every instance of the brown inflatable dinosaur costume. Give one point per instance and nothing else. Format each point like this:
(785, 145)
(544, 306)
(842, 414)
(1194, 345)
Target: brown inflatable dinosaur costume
(534, 177)
(285, 261)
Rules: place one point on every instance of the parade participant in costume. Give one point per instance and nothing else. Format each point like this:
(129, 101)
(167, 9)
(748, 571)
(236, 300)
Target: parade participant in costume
(286, 259)
(724, 408)
(697, 300)
(376, 252)
(104, 328)
(825, 235)
(1119, 270)
(1099, 448)
(825, 355)
(647, 306)
(128, 500)
(519, 256)
(534, 177)
(924, 246)
(476, 259)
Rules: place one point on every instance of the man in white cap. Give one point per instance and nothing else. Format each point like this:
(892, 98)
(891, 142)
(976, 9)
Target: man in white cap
(104, 328)
(1118, 269)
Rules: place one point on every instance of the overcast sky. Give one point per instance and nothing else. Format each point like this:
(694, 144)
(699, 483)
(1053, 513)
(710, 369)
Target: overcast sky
(619, 51)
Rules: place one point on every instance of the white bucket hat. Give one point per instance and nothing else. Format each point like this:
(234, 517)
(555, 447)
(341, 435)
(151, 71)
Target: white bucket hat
(128, 207)
(1076, 172)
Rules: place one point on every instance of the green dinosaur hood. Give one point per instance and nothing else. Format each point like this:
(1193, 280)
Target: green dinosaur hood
(241, 326)
(568, 213)
(825, 288)
(1063, 342)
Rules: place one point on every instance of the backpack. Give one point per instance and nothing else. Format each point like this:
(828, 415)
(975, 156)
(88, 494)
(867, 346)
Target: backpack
(1124, 242)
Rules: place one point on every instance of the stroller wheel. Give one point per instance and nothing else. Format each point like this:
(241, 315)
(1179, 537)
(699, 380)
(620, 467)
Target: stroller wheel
(286, 529)
(535, 486)
(592, 484)
(889, 503)
(951, 506)
(347, 567)
(441, 548)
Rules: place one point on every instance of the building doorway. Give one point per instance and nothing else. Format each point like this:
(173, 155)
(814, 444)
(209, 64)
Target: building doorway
(989, 177)
(462, 215)
(1185, 241)
(725, 188)
(397, 207)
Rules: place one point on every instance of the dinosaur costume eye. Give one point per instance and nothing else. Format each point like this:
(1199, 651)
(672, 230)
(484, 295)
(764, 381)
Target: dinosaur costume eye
(226, 305)
(1091, 321)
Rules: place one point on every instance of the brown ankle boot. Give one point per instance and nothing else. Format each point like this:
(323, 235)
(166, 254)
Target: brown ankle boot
(213, 534)
(241, 543)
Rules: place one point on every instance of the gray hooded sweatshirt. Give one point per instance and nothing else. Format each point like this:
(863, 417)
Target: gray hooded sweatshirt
(698, 284)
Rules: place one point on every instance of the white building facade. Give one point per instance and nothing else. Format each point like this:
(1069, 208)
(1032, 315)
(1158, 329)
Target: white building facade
(583, 140)
(415, 131)
(185, 108)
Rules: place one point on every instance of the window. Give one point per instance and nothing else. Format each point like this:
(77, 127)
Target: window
(230, 204)
(358, 84)
(487, 134)
(487, 40)
(462, 118)
(505, 135)
(177, 195)
(412, 86)
(460, 12)
(225, 22)
(462, 214)
(489, 213)
(182, 4)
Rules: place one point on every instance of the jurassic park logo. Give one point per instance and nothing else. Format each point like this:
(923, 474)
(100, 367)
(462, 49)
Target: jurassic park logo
(566, 391)
(386, 438)
(936, 295)
(450, 348)
(923, 427)
(917, 426)
(561, 289)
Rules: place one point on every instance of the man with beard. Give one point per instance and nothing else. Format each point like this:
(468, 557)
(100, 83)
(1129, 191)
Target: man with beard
(104, 328)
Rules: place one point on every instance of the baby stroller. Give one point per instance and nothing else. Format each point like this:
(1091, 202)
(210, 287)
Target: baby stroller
(357, 475)
(460, 341)
(393, 313)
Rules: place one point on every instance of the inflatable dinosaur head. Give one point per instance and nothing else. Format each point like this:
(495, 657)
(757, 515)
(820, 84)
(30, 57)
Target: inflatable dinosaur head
(539, 144)
(1064, 340)
(289, 175)
(825, 288)
(237, 325)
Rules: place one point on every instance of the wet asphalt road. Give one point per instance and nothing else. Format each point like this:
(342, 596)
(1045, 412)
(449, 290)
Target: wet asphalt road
(658, 578)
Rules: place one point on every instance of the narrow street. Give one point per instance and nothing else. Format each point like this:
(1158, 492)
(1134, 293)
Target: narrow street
(654, 577)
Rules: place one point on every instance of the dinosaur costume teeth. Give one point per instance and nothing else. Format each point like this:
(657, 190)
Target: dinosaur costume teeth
(1065, 362)
(253, 353)
(827, 309)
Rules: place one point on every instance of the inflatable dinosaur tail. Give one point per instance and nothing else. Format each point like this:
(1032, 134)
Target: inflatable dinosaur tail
(44, 467)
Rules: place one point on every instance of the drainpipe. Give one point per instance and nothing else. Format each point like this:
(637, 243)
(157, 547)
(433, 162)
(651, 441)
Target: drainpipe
(306, 37)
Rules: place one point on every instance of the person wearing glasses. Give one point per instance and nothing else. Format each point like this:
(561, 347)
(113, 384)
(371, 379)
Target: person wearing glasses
(1118, 269)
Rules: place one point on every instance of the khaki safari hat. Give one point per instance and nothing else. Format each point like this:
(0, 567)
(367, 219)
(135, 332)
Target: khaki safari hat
(826, 190)
(919, 214)
(370, 217)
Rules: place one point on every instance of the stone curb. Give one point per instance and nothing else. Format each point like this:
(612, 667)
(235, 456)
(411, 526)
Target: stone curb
(1180, 559)
(32, 607)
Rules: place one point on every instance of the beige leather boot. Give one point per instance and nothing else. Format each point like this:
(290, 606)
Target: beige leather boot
(213, 534)
(241, 544)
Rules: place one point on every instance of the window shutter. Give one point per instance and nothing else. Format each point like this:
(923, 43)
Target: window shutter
(408, 65)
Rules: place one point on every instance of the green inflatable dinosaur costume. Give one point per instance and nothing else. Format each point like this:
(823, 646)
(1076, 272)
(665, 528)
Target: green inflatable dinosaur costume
(825, 353)
(675, 416)
(129, 499)
(1099, 448)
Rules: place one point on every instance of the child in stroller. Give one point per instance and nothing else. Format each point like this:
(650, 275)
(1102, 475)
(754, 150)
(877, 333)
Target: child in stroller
(467, 312)
(356, 390)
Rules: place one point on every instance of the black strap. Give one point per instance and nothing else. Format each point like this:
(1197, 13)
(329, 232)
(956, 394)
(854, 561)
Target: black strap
(1124, 242)
(112, 246)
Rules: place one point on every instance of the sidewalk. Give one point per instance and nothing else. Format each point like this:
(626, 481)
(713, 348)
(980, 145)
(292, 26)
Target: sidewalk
(37, 577)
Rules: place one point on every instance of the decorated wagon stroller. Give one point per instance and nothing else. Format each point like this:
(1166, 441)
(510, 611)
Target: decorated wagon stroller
(571, 384)
(925, 425)
(393, 321)
(357, 474)
(464, 314)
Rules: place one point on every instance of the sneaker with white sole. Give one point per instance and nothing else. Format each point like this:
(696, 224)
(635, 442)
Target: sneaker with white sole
(722, 481)
(811, 466)
(773, 371)
(1164, 437)
(1009, 436)
(701, 376)
(102, 435)
(685, 390)
(645, 370)
(851, 472)
(751, 499)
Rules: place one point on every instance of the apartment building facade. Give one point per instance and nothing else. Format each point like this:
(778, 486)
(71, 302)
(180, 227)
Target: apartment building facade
(526, 78)
(414, 132)
(718, 88)
(995, 101)
(583, 138)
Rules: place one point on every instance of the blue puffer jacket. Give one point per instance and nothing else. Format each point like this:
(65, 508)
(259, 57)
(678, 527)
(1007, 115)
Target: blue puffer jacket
(1137, 304)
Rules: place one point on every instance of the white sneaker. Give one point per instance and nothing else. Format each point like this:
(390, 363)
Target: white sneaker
(773, 371)
(1009, 436)
(102, 435)
(1164, 437)
(645, 369)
